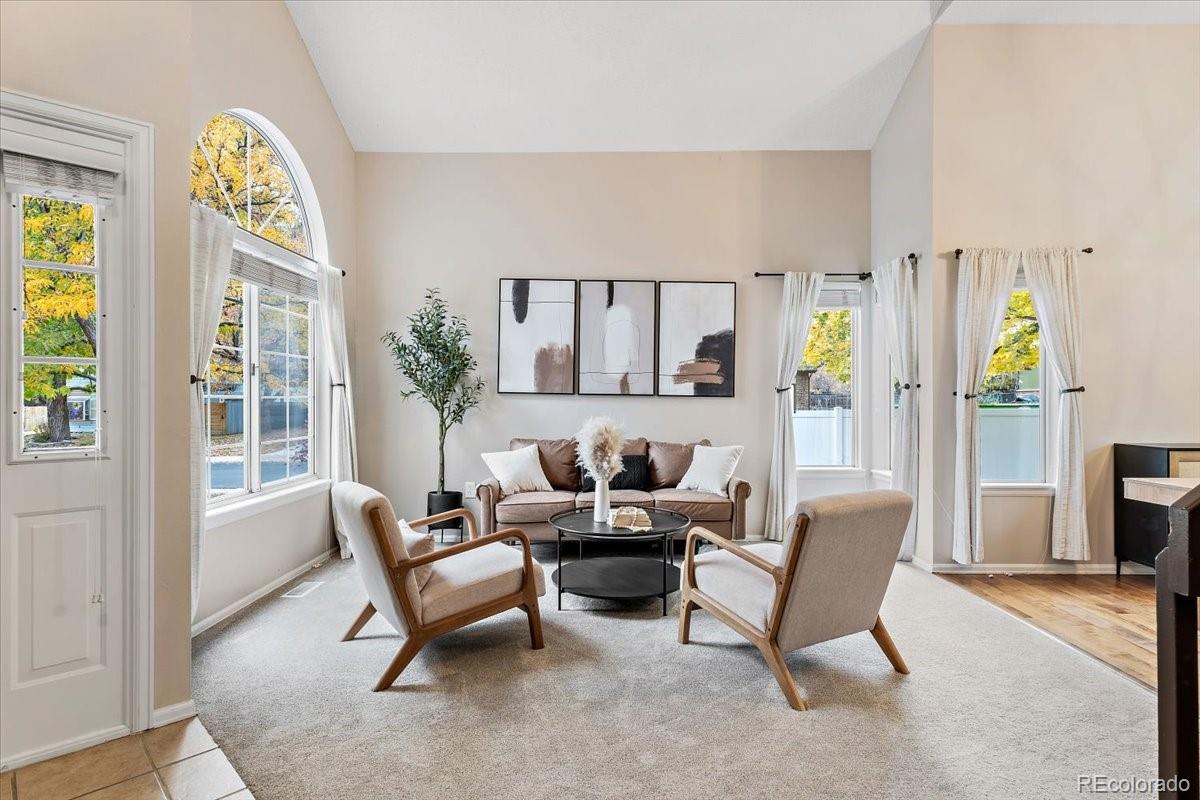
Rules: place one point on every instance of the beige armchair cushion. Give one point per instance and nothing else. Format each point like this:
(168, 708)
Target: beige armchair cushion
(473, 578)
(617, 497)
(415, 544)
(352, 506)
(700, 506)
(533, 506)
(742, 588)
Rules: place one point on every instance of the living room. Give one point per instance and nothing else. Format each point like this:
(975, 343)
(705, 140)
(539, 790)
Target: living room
(570, 389)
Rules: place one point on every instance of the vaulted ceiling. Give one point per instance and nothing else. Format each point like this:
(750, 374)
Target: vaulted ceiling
(614, 76)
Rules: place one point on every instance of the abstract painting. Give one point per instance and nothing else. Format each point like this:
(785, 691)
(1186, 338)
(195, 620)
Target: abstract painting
(696, 344)
(537, 336)
(616, 337)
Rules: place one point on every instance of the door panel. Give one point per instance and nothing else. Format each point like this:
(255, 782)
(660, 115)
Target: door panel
(60, 623)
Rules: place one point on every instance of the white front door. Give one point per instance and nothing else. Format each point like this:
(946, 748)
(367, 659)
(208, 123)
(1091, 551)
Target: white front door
(64, 548)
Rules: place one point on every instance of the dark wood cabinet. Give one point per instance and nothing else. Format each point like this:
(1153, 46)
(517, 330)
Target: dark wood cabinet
(1140, 529)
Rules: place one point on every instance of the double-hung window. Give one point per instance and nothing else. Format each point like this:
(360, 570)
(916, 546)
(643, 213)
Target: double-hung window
(258, 391)
(259, 388)
(825, 410)
(1012, 428)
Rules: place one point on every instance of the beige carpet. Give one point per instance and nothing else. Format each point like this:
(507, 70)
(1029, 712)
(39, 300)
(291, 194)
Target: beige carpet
(615, 708)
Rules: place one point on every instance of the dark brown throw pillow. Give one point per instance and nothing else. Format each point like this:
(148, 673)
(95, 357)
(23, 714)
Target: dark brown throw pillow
(669, 462)
(633, 476)
(558, 461)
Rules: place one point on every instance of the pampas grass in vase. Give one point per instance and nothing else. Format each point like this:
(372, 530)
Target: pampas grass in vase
(598, 449)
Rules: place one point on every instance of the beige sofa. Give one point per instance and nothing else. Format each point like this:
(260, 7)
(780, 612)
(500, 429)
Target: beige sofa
(724, 514)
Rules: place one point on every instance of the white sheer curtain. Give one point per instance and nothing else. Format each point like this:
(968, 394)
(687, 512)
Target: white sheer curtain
(211, 255)
(801, 290)
(985, 280)
(343, 449)
(1052, 275)
(894, 285)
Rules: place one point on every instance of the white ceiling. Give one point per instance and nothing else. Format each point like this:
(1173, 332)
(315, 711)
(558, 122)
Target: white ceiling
(511, 76)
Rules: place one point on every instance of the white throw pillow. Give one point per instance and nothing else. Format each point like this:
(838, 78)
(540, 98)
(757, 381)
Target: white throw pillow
(518, 470)
(417, 544)
(711, 468)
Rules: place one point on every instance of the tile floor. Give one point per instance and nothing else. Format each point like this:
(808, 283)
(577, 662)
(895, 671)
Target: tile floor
(175, 762)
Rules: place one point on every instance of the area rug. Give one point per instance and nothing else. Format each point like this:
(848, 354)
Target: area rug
(613, 707)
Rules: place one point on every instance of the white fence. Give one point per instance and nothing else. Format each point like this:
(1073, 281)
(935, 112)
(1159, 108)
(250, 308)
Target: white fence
(824, 437)
(1010, 444)
(1010, 441)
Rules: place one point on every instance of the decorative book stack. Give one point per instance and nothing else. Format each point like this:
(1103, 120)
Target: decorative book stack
(635, 519)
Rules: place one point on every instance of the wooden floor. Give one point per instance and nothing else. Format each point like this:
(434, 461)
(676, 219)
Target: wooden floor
(1110, 619)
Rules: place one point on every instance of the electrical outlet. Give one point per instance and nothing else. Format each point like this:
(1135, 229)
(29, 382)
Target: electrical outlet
(469, 489)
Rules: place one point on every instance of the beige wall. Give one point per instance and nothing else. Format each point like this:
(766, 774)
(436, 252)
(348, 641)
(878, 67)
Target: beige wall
(1077, 135)
(461, 222)
(261, 64)
(173, 65)
(902, 223)
(132, 59)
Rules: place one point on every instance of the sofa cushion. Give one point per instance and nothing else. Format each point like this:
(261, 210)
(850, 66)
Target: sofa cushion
(700, 506)
(633, 475)
(742, 588)
(558, 461)
(669, 462)
(475, 577)
(533, 506)
(635, 447)
(617, 497)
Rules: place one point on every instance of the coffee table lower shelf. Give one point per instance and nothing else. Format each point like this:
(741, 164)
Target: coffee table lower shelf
(617, 578)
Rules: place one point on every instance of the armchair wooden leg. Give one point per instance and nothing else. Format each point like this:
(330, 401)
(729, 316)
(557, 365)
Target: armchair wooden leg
(535, 624)
(783, 676)
(362, 620)
(685, 618)
(412, 646)
(884, 640)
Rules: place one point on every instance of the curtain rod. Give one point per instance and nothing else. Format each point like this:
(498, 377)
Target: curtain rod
(310, 259)
(862, 276)
(959, 251)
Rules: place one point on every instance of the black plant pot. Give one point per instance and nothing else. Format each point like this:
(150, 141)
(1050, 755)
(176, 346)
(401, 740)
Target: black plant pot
(437, 502)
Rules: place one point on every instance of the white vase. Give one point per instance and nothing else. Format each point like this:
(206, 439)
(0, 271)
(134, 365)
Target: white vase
(600, 510)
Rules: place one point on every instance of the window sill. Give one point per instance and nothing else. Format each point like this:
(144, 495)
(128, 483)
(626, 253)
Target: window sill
(1018, 489)
(261, 502)
(830, 473)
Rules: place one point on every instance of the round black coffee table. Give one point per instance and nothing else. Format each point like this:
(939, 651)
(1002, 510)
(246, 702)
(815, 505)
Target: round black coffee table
(618, 577)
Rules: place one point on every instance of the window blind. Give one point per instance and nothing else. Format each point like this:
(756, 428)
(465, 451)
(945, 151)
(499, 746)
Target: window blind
(838, 297)
(24, 172)
(269, 275)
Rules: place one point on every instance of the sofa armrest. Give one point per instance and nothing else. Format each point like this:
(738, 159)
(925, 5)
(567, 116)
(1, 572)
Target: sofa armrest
(488, 493)
(738, 491)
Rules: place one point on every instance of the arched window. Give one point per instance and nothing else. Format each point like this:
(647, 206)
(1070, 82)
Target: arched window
(237, 171)
(259, 389)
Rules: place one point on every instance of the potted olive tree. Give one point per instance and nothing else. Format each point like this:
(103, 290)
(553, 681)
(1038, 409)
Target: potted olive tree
(434, 359)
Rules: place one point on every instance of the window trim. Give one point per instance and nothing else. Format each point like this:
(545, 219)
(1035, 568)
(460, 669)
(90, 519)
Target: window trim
(254, 489)
(1048, 388)
(859, 329)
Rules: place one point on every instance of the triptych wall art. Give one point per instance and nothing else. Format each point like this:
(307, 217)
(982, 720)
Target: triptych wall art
(619, 337)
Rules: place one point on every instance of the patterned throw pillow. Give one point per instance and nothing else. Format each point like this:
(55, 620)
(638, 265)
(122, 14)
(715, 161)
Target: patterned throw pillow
(635, 475)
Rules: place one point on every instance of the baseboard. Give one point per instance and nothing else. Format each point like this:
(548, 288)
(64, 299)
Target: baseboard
(231, 609)
(174, 713)
(1064, 568)
(62, 748)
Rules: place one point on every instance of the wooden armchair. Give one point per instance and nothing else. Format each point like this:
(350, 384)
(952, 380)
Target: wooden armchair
(826, 580)
(468, 582)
